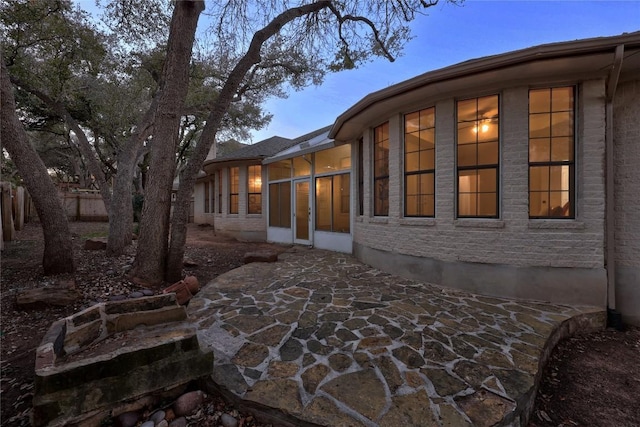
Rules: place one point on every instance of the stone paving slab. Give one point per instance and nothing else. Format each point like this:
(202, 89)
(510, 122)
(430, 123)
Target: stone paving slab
(330, 341)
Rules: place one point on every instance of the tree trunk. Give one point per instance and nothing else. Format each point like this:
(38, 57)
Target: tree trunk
(219, 110)
(58, 248)
(121, 212)
(154, 227)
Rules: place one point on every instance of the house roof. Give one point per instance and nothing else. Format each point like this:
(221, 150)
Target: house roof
(267, 147)
(580, 59)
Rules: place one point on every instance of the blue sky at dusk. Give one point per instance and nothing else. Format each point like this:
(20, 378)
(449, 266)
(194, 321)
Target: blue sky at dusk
(448, 35)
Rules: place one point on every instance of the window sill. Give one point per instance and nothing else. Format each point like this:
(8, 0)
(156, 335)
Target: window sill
(254, 215)
(478, 223)
(556, 224)
(379, 220)
(417, 222)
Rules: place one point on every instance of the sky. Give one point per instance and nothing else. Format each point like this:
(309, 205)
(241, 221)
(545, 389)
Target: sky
(450, 34)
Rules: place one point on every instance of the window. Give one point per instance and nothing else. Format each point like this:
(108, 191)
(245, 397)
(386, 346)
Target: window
(280, 204)
(233, 190)
(419, 163)
(219, 191)
(477, 157)
(551, 153)
(254, 187)
(333, 159)
(207, 206)
(332, 203)
(302, 165)
(381, 170)
(280, 170)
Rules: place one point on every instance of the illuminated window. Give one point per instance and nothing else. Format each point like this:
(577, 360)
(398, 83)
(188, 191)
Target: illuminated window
(333, 159)
(280, 170)
(254, 186)
(478, 157)
(233, 190)
(207, 206)
(419, 163)
(551, 153)
(280, 204)
(381, 170)
(332, 203)
(302, 165)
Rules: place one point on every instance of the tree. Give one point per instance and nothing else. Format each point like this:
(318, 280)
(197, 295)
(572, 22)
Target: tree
(58, 248)
(152, 243)
(277, 42)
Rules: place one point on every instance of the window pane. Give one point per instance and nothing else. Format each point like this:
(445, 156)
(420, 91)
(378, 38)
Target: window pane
(411, 205)
(381, 170)
(427, 160)
(487, 204)
(427, 139)
(333, 159)
(467, 204)
(427, 185)
(539, 101)
(559, 178)
(467, 133)
(562, 149)
(323, 203)
(487, 180)
(539, 126)
(427, 205)
(562, 124)
(539, 150)
(341, 203)
(467, 155)
(488, 153)
(412, 122)
(488, 107)
(562, 99)
(412, 162)
(233, 204)
(274, 205)
(381, 189)
(467, 181)
(427, 118)
(302, 165)
(539, 178)
(255, 204)
(285, 204)
(280, 170)
(412, 184)
(467, 110)
(539, 203)
(411, 142)
(559, 203)
(255, 179)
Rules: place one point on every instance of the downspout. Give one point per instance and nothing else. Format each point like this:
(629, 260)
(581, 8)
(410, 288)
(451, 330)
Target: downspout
(614, 318)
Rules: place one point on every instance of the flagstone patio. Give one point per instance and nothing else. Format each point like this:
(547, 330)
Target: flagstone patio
(319, 338)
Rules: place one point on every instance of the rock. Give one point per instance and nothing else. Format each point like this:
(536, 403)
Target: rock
(189, 263)
(228, 421)
(260, 256)
(192, 284)
(163, 423)
(60, 296)
(118, 298)
(95, 244)
(148, 424)
(127, 419)
(179, 422)
(147, 292)
(157, 416)
(188, 402)
(183, 295)
(136, 295)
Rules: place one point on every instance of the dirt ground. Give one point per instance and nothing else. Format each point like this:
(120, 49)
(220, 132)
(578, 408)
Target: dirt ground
(591, 380)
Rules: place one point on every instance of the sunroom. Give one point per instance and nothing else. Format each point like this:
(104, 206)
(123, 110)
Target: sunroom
(309, 195)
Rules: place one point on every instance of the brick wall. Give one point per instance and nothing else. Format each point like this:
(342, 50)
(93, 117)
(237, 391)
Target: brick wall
(512, 239)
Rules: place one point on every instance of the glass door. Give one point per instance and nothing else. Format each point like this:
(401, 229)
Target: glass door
(302, 213)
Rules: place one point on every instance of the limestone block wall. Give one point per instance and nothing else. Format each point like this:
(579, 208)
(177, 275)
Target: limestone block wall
(626, 118)
(512, 255)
